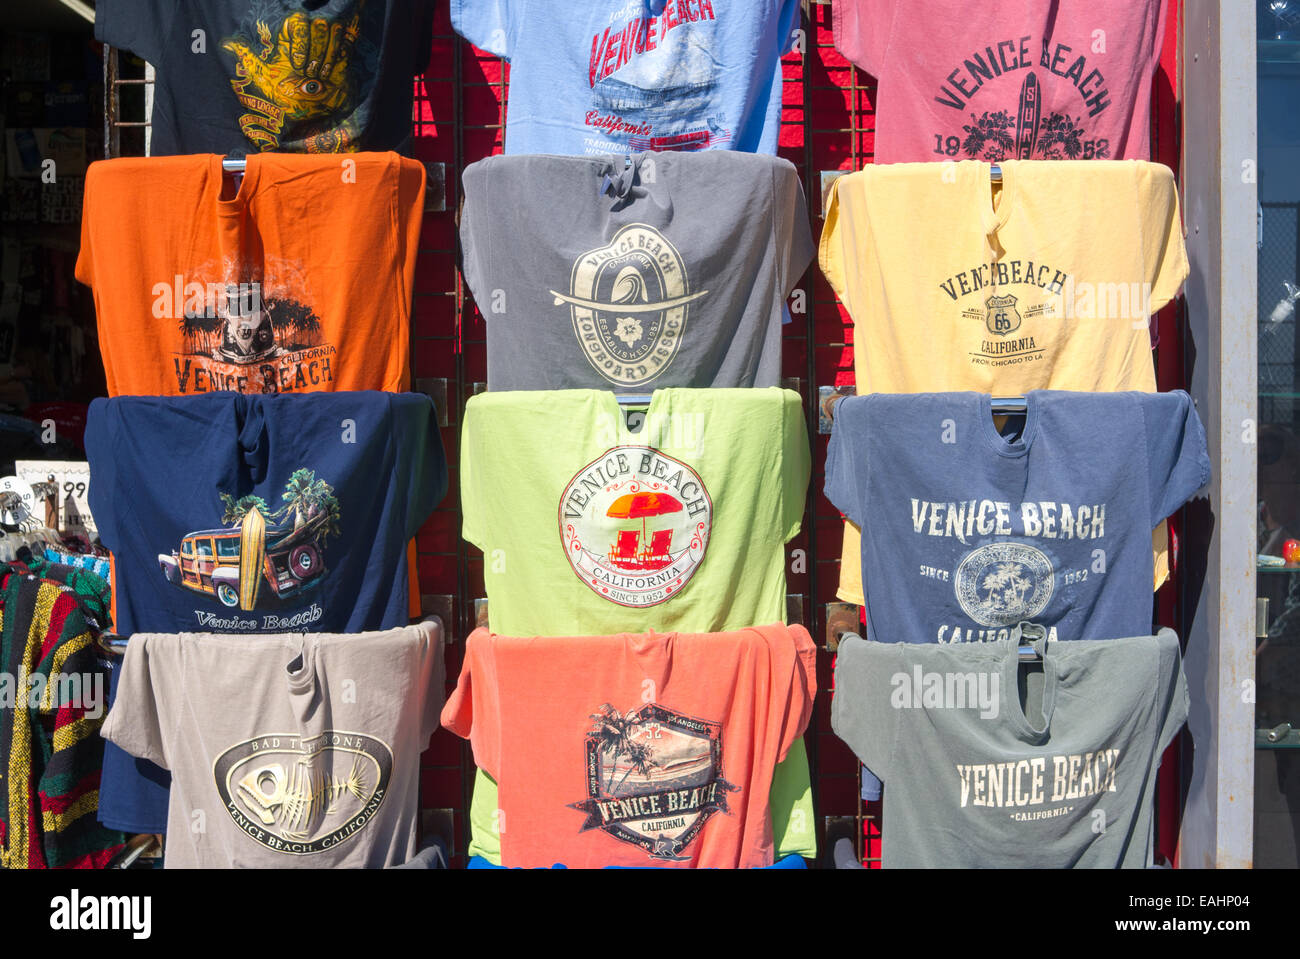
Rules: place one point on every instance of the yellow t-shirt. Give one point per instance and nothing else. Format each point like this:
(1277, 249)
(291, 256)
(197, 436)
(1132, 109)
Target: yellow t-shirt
(1046, 281)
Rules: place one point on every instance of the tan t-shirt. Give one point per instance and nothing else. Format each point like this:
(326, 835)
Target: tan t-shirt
(288, 750)
(1048, 281)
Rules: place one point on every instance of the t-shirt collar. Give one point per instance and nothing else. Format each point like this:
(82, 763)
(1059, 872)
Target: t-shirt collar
(1036, 636)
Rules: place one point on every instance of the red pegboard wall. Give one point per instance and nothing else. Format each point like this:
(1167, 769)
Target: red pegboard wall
(827, 124)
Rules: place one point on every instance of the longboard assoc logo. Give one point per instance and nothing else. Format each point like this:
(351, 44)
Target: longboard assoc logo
(629, 300)
(300, 795)
(635, 525)
(1004, 583)
(654, 778)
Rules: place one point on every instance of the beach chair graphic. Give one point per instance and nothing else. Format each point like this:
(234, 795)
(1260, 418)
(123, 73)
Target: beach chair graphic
(623, 553)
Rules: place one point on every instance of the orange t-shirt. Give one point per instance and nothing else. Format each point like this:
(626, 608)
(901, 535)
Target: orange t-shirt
(298, 279)
(635, 750)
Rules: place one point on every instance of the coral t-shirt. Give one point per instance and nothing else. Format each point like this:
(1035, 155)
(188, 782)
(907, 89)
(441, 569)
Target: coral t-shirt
(1016, 79)
(297, 279)
(635, 750)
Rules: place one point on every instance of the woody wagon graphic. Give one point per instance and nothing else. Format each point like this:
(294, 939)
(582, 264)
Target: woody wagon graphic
(235, 562)
(635, 525)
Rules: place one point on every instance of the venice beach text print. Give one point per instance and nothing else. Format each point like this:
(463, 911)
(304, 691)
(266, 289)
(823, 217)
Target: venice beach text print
(1025, 786)
(1013, 125)
(653, 80)
(635, 525)
(654, 778)
(1000, 584)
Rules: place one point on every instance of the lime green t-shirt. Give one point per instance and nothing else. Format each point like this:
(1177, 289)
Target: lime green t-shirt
(790, 802)
(590, 529)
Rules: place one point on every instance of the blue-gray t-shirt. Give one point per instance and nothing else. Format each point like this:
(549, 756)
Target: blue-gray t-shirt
(968, 530)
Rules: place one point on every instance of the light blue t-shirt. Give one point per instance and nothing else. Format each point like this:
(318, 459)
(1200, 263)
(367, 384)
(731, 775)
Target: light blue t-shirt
(967, 531)
(627, 76)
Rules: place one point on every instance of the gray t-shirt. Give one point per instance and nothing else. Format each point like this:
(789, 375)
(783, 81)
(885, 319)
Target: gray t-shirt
(288, 750)
(989, 762)
(629, 274)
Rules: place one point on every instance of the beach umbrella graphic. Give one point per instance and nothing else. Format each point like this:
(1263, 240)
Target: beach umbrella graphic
(641, 505)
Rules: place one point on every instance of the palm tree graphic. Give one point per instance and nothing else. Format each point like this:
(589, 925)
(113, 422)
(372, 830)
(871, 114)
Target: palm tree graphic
(1006, 587)
(615, 733)
(237, 509)
(306, 497)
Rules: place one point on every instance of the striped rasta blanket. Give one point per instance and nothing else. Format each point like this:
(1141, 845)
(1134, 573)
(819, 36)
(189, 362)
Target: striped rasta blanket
(53, 694)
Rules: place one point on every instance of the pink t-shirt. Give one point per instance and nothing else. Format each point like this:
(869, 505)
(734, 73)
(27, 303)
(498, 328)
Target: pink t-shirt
(1027, 79)
(635, 750)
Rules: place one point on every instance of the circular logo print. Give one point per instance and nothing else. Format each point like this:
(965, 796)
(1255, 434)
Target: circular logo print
(634, 524)
(629, 301)
(1004, 583)
(304, 795)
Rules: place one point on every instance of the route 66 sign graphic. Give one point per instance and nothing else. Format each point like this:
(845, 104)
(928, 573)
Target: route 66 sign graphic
(1002, 317)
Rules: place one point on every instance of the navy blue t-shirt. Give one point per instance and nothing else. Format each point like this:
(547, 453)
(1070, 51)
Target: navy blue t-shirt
(967, 532)
(339, 482)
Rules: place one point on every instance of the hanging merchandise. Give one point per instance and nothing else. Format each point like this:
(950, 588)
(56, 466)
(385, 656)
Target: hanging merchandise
(645, 750)
(1015, 79)
(639, 75)
(588, 527)
(293, 76)
(668, 270)
(300, 750)
(1043, 764)
(298, 279)
(1049, 520)
(49, 743)
(231, 513)
(1010, 277)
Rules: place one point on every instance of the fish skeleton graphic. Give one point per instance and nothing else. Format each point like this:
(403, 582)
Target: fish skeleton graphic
(303, 796)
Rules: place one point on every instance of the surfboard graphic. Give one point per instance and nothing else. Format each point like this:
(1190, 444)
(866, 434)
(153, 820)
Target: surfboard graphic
(252, 551)
(1031, 111)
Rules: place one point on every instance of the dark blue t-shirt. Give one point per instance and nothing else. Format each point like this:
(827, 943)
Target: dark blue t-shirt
(229, 513)
(340, 483)
(967, 532)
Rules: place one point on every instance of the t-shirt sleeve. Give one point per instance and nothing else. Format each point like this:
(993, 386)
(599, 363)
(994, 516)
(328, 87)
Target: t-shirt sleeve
(473, 710)
(99, 453)
(135, 25)
(861, 713)
(135, 722)
(410, 221)
(474, 262)
(842, 485)
(1164, 255)
(470, 507)
(491, 25)
(862, 30)
(1178, 462)
(832, 250)
(788, 19)
(84, 270)
(793, 234)
(1160, 10)
(433, 679)
(803, 685)
(796, 465)
(1171, 686)
(421, 463)
(422, 23)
